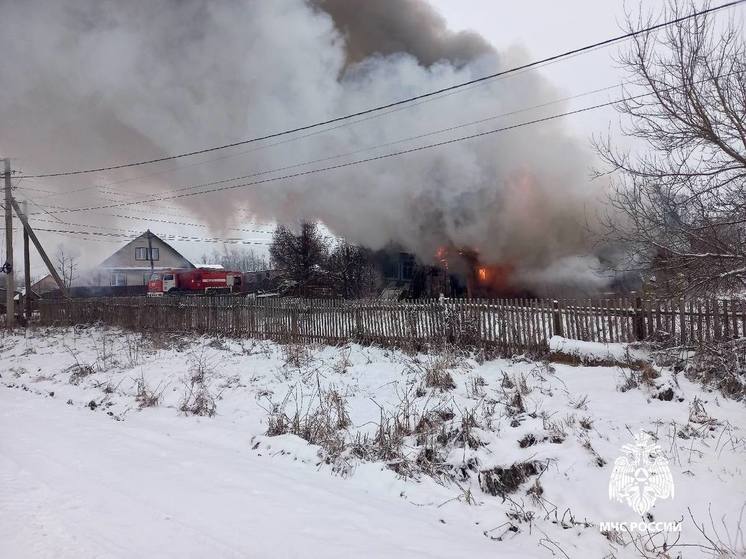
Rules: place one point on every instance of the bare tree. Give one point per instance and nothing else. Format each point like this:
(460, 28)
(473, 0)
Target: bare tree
(298, 258)
(67, 263)
(239, 258)
(352, 271)
(678, 193)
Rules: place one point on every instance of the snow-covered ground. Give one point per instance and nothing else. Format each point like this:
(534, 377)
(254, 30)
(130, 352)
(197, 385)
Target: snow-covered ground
(87, 469)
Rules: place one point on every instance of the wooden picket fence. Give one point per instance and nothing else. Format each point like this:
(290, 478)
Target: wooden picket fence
(507, 325)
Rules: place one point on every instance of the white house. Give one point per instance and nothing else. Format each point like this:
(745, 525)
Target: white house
(136, 261)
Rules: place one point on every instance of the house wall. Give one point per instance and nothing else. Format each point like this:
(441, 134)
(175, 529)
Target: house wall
(139, 276)
(44, 285)
(131, 270)
(126, 256)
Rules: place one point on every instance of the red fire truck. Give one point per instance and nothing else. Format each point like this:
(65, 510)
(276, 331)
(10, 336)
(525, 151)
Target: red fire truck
(207, 281)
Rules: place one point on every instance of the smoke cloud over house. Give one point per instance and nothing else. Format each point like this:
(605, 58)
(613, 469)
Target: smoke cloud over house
(102, 82)
(389, 27)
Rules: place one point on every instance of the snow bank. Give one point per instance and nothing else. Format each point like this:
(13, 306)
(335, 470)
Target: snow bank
(595, 352)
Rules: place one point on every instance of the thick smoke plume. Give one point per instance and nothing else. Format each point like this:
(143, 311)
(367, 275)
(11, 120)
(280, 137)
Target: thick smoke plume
(388, 27)
(90, 82)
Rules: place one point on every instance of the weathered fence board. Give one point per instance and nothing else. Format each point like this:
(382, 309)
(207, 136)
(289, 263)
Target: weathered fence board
(507, 325)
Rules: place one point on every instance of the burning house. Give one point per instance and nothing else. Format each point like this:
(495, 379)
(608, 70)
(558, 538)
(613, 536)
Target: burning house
(470, 277)
(452, 273)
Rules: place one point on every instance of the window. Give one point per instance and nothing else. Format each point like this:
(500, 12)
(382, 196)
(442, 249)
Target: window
(142, 253)
(118, 279)
(407, 266)
(390, 269)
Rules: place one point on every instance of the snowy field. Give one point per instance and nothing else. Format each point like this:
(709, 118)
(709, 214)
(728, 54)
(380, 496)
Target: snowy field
(104, 453)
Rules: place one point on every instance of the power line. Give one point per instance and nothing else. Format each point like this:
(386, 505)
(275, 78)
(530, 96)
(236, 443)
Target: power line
(160, 217)
(104, 187)
(136, 233)
(408, 100)
(357, 161)
(167, 236)
(54, 193)
(348, 164)
(258, 148)
(100, 193)
(245, 230)
(377, 146)
(287, 140)
(375, 158)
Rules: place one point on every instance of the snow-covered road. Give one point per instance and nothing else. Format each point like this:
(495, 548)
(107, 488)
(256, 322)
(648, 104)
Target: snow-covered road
(76, 484)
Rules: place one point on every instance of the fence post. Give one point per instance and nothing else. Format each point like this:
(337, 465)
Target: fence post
(556, 318)
(358, 333)
(639, 322)
(295, 335)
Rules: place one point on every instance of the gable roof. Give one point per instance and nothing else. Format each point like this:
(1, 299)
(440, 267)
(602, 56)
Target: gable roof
(111, 261)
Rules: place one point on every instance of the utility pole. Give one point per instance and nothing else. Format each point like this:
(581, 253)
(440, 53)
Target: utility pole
(26, 269)
(10, 283)
(37, 244)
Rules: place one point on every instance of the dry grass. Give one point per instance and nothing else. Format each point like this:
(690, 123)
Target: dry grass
(501, 481)
(145, 396)
(80, 371)
(297, 355)
(343, 362)
(475, 387)
(132, 348)
(321, 422)
(105, 351)
(721, 366)
(435, 370)
(198, 398)
(644, 375)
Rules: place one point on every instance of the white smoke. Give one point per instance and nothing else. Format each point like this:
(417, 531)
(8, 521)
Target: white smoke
(568, 276)
(90, 82)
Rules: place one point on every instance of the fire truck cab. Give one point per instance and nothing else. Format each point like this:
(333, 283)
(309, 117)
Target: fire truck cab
(161, 282)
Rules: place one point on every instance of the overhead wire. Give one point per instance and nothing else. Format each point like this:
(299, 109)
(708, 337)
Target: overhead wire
(391, 143)
(405, 101)
(182, 194)
(159, 217)
(200, 225)
(364, 160)
(165, 236)
(286, 141)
